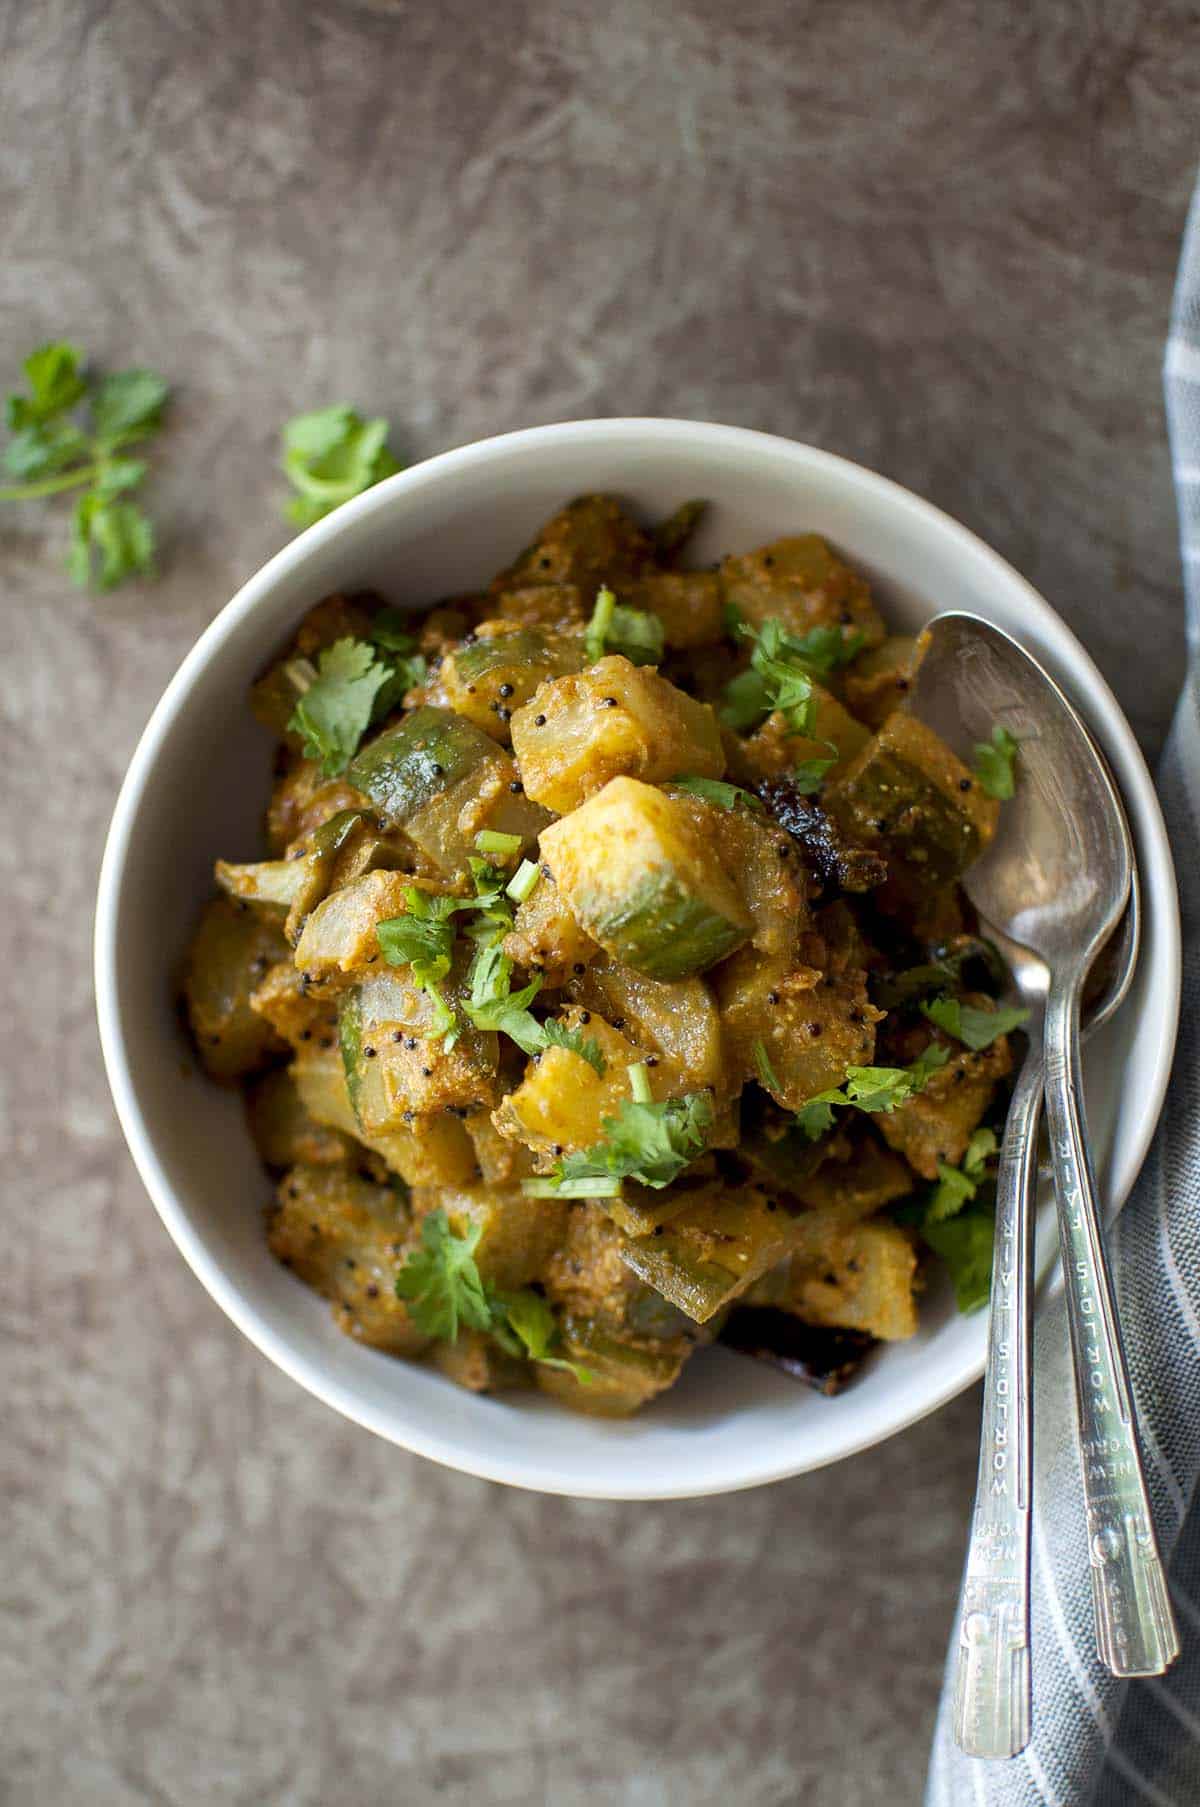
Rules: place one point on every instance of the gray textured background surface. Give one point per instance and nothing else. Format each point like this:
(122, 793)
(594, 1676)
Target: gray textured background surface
(938, 238)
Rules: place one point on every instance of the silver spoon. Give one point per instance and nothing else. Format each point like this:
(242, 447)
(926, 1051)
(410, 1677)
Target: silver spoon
(1056, 880)
(992, 1702)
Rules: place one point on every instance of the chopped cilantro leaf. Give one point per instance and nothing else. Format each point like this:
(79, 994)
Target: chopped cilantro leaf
(824, 649)
(651, 1143)
(995, 761)
(335, 709)
(964, 1243)
(714, 790)
(815, 1117)
(613, 628)
(440, 1280)
(808, 775)
(556, 1036)
(524, 1324)
(331, 455)
(871, 1089)
(56, 383)
(956, 1186)
(782, 668)
(975, 1028)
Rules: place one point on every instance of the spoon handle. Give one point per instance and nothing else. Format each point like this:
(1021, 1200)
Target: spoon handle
(1135, 1628)
(991, 1694)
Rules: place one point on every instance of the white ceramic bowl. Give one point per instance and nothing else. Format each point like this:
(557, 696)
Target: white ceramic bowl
(196, 788)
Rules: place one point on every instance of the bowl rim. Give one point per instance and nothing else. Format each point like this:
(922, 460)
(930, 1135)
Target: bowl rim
(1156, 869)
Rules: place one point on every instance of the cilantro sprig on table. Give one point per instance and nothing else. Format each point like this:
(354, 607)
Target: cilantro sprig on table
(870, 1089)
(646, 1141)
(53, 450)
(331, 455)
(445, 1293)
(616, 628)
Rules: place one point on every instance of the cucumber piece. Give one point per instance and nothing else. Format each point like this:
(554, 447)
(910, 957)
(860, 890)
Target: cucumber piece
(714, 1250)
(231, 950)
(344, 1236)
(810, 1027)
(431, 1151)
(624, 1371)
(677, 1020)
(419, 759)
(640, 880)
(803, 583)
(879, 680)
(395, 1075)
(578, 732)
(909, 795)
(487, 679)
(444, 779)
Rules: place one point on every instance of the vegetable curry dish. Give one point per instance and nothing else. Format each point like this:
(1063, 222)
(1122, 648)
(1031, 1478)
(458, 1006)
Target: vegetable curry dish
(607, 988)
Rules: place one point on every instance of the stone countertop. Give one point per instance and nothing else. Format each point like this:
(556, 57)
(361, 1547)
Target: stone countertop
(937, 238)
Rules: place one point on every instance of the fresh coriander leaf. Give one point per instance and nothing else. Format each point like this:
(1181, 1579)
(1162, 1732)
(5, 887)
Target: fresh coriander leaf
(964, 1243)
(43, 448)
(651, 1143)
(808, 775)
(714, 790)
(995, 761)
(335, 711)
(412, 941)
(440, 1280)
(636, 633)
(954, 1189)
(815, 1117)
(767, 1076)
(109, 540)
(975, 1028)
(127, 405)
(746, 702)
(980, 1149)
(331, 455)
(529, 1321)
(824, 649)
(403, 675)
(785, 675)
(54, 373)
(392, 629)
(116, 475)
(956, 1186)
(555, 1035)
(871, 1089)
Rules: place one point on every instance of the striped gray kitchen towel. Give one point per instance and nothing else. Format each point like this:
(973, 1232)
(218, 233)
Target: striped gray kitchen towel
(1098, 1742)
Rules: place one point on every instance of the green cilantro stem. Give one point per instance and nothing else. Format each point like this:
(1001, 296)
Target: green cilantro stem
(639, 1084)
(490, 840)
(603, 1186)
(524, 882)
(54, 486)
